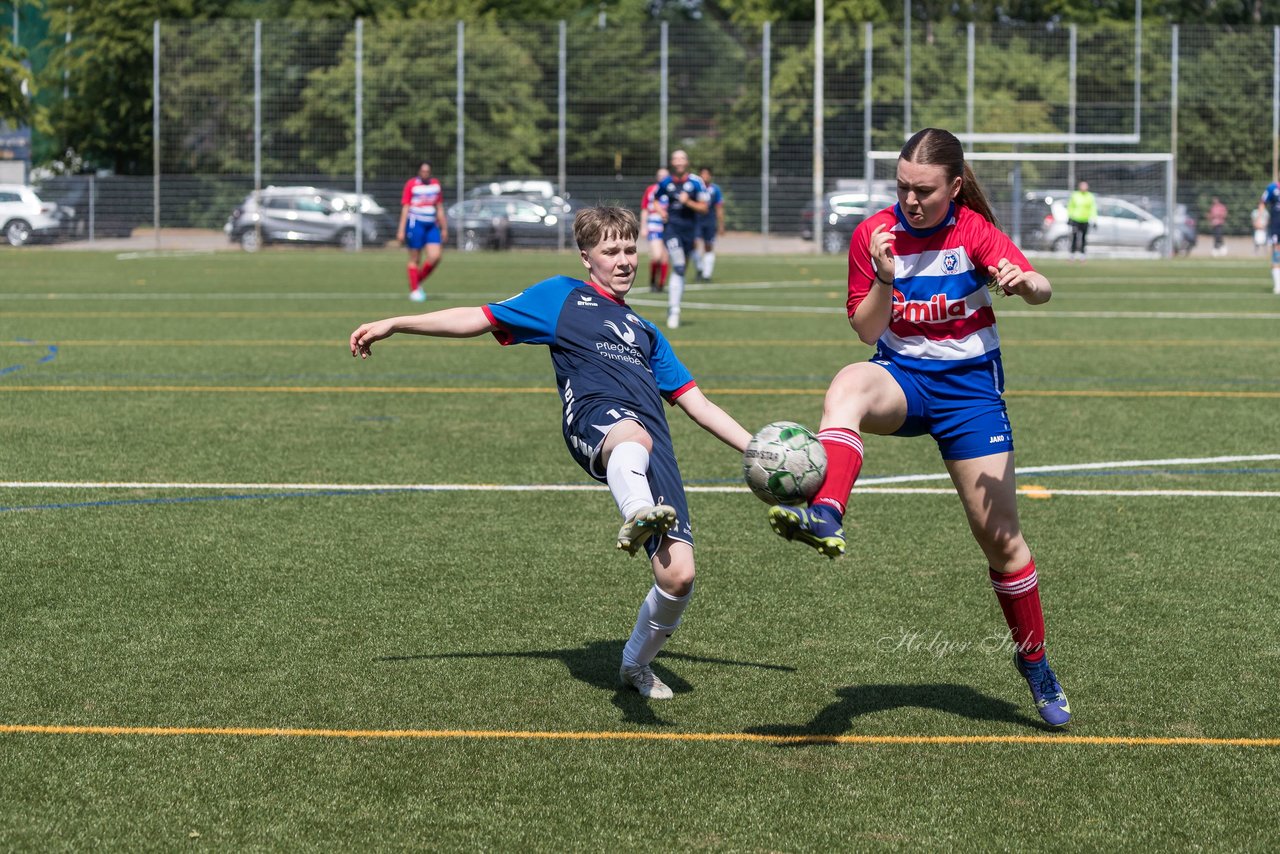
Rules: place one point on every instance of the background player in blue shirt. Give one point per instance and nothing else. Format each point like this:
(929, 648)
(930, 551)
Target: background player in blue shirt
(613, 370)
(686, 198)
(710, 225)
(1271, 204)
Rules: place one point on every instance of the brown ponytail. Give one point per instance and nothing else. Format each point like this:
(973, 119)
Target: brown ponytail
(937, 147)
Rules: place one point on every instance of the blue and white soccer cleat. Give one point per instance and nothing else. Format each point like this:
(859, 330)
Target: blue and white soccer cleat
(816, 526)
(643, 524)
(1051, 700)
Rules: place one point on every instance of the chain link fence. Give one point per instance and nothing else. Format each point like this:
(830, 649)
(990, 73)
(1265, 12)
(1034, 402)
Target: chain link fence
(594, 110)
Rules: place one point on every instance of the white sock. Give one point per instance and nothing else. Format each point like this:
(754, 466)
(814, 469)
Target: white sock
(628, 477)
(675, 292)
(708, 264)
(1275, 280)
(659, 616)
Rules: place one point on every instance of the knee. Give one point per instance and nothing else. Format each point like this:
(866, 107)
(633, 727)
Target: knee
(673, 568)
(1005, 549)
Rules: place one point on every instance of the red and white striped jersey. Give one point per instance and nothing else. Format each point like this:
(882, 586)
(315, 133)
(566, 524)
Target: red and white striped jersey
(422, 197)
(942, 316)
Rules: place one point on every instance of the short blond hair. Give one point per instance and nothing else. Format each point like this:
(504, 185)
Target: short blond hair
(593, 226)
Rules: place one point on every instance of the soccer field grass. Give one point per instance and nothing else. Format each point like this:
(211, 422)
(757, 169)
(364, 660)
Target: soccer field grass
(238, 607)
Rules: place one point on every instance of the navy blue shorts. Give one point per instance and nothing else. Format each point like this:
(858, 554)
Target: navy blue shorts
(962, 408)
(418, 234)
(679, 247)
(707, 232)
(584, 437)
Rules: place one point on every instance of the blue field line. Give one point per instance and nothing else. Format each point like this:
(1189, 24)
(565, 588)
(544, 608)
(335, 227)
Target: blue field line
(192, 499)
(50, 354)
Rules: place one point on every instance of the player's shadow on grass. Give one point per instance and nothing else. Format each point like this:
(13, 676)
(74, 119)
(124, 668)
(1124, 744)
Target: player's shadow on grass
(596, 664)
(858, 700)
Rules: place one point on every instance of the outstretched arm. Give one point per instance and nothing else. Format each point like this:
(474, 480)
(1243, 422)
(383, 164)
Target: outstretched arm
(466, 322)
(1028, 284)
(713, 419)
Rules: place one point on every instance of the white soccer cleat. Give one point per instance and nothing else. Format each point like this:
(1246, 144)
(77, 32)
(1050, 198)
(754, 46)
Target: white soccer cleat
(417, 295)
(673, 321)
(643, 679)
(643, 524)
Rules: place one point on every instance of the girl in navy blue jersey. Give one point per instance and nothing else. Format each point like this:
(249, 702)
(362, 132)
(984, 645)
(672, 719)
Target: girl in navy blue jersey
(614, 370)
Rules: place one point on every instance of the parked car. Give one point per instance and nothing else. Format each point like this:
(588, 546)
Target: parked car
(25, 218)
(1121, 224)
(843, 210)
(507, 222)
(306, 215)
(1185, 229)
(535, 190)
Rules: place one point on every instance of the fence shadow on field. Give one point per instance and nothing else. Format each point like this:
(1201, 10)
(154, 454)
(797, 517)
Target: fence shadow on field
(858, 700)
(596, 664)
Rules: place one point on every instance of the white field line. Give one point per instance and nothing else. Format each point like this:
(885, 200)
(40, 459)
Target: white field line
(1038, 313)
(871, 484)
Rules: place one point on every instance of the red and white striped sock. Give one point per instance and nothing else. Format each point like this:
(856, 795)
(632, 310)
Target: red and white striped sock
(844, 462)
(1019, 596)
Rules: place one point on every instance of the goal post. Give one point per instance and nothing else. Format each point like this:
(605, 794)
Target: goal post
(1021, 184)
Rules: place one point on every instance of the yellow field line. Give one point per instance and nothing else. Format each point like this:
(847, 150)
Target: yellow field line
(286, 732)
(249, 389)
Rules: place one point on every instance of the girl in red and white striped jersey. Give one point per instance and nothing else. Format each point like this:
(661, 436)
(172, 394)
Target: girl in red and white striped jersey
(921, 275)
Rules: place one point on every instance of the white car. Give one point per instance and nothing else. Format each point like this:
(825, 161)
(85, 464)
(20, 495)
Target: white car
(23, 216)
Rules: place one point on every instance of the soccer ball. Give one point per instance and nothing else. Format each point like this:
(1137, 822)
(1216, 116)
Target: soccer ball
(784, 463)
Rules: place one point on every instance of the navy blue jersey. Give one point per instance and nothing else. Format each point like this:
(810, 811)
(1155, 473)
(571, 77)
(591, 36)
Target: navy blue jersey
(714, 197)
(680, 217)
(1271, 198)
(600, 348)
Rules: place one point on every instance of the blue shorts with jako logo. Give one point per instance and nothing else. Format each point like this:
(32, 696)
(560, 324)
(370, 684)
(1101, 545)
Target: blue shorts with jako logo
(962, 408)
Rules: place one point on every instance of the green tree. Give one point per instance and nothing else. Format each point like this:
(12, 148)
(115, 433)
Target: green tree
(17, 86)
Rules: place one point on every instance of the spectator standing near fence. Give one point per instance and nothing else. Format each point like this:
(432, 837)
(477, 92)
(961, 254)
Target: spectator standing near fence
(423, 227)
(1082, 212)
(1271, 204)
(1217, 217)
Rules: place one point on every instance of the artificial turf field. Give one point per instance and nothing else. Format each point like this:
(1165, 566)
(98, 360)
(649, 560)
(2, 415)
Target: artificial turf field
(215, 629)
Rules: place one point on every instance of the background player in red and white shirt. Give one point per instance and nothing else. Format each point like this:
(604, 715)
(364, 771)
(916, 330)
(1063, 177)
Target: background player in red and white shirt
(653, 217)
(921, 276)
(423, 227)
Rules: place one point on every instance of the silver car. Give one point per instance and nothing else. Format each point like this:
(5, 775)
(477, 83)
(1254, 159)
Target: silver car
(305, 215)
(1120, 224)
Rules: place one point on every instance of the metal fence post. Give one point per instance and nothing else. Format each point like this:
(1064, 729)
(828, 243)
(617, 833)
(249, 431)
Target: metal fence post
(663, 96)
(359, 134)
(868, 71)
(562, 97)
(1071, 104)
(1171, 168)
(155, 127)
(765, 107)
(819, 60)
(257, 128)
(461, 146)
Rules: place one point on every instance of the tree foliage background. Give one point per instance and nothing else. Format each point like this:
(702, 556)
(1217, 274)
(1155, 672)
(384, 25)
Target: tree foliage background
(105, 71)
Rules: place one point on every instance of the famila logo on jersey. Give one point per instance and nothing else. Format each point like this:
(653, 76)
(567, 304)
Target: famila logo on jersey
(936, 309)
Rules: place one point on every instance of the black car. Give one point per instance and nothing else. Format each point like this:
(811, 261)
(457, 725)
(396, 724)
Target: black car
(508, 222)
(843, 210)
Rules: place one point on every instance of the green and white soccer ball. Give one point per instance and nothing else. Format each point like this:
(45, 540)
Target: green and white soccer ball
(784, 463)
